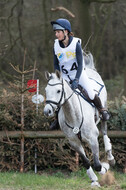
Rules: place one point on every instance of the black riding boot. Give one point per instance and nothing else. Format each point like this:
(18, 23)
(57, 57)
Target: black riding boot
(103, 111)
(55, 124)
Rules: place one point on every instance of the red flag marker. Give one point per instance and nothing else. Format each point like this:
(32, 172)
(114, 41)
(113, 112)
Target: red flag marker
(32, 85)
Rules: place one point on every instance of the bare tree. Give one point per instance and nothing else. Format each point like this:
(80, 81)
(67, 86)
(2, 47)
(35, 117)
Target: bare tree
(22, 73)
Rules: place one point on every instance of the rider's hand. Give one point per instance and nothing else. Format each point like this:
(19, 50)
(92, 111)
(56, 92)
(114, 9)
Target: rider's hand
(74, 84)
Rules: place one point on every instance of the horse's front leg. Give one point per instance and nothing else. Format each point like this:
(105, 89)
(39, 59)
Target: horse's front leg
(102, 168)
(76, 145)
(108, 146)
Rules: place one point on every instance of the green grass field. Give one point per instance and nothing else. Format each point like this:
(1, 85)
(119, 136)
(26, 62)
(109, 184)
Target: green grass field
(55, 181)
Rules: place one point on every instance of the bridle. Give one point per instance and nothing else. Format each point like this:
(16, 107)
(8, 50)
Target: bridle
(58, 104)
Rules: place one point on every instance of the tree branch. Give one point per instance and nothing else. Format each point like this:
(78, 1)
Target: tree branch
(16, 68)
(63, 9)
(103, 1)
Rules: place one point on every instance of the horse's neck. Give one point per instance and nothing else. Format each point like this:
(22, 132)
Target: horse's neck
(71, 108)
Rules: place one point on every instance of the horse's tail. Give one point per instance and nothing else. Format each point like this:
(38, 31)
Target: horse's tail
(89, 60)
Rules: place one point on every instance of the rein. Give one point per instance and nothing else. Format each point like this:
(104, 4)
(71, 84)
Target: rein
(81, 120)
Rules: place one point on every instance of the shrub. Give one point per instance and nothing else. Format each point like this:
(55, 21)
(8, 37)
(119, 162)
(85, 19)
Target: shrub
(53, 153)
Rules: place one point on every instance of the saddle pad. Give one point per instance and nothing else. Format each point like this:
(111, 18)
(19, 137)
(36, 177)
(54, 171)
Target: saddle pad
(97, 86)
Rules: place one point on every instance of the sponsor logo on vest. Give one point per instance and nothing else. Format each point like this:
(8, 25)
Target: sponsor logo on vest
(60, 56)
(70, 54)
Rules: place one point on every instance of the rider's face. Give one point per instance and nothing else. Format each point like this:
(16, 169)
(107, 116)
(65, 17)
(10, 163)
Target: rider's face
(59, 34)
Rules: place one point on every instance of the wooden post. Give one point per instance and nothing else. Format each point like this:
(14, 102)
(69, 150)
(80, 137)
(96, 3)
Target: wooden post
(22, 118)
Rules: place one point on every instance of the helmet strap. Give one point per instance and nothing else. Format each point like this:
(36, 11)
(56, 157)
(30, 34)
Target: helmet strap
(64, 37)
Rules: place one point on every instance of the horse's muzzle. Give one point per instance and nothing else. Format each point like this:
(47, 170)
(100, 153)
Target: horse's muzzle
(48, 111)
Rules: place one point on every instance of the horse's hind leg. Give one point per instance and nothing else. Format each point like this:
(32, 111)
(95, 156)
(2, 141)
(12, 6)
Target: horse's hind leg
(108, 146)
(76, 145)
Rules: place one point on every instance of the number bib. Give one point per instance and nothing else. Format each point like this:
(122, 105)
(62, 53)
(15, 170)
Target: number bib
(67, 58)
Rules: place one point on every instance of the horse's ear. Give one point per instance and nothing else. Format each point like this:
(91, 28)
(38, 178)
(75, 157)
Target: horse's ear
(58, 74)
(47, 75)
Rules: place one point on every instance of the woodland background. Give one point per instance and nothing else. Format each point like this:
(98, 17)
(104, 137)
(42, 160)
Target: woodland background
(25, 24)
(25, 27)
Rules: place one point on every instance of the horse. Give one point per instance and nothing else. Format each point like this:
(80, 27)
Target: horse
(78, 118)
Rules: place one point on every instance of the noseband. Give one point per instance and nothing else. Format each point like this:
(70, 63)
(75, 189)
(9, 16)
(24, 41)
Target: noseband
(58, 104)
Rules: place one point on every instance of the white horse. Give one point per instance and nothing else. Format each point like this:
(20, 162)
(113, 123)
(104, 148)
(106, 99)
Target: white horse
(78, 118)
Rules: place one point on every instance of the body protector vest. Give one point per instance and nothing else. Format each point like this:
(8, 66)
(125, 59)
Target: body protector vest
(67, 58)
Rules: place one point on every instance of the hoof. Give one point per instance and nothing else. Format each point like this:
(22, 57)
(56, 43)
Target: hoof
(95, 184)
(105, 168)
(112, 162)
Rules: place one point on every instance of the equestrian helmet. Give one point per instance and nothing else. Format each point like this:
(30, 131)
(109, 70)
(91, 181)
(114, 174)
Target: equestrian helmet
(61, 24)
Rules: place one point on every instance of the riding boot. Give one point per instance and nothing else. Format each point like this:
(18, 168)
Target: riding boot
(55, 124)
(103, 111)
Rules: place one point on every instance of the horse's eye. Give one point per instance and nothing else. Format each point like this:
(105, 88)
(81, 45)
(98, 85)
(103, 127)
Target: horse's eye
(58, 91)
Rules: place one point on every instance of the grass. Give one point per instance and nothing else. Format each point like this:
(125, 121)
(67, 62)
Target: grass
(54, 181)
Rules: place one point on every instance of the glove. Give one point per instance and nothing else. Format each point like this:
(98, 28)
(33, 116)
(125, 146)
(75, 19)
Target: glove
(74, 84)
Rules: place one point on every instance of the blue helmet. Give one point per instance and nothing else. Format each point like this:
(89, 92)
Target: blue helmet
(61, 24)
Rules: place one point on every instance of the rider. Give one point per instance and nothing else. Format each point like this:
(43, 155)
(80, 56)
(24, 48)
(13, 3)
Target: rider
(68, 59)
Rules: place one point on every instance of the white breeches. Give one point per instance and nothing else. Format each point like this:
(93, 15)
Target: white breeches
(85, 82)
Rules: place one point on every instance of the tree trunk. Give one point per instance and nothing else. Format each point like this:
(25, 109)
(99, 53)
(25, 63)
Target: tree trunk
(125, 81)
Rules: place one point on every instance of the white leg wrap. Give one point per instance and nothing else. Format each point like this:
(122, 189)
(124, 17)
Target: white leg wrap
(109, 155)
(95, 184)
(105, 168)
(91, 174)
(107, 143)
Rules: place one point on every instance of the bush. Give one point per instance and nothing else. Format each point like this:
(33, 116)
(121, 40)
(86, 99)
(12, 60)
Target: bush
(117, 109)
(52, 153)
